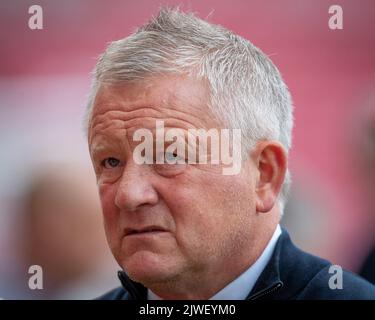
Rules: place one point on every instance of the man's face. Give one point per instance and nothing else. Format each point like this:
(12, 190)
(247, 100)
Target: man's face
(166, 221)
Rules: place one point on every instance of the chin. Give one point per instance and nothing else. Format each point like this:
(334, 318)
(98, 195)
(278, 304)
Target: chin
(147, 267)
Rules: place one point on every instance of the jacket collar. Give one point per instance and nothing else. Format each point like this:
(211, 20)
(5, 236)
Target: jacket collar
(134, 290)
(288, 272)
(270, 279)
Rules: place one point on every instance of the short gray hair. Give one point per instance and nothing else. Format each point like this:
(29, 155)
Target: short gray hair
(247, 91)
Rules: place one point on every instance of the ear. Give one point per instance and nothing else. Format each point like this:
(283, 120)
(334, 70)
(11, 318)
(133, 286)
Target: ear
(271, 162)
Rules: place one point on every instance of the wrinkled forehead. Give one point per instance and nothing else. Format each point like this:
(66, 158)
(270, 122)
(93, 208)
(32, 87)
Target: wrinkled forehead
(167, 96)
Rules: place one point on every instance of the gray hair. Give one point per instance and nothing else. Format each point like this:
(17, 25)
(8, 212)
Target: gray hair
(247, 91)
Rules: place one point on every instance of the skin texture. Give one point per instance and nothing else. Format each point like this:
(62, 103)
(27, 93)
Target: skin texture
(215, 226)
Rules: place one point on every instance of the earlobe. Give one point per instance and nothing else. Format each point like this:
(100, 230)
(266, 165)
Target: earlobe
(271, 160)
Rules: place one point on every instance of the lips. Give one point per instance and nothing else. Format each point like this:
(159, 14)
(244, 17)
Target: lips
(143, 230)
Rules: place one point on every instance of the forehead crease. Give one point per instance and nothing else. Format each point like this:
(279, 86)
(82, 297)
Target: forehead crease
(101, 127)
(113, 131)
(134, 113)
(192, 105)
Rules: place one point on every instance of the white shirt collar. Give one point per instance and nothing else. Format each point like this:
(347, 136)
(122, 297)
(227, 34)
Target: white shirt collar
(240, 287)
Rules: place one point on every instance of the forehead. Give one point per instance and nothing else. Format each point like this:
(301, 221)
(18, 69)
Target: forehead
(175, 96)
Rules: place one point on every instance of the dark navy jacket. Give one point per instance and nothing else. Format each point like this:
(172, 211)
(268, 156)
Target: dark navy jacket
(290, 274)
(368, 267)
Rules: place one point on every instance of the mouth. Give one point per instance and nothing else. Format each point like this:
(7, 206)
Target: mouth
(150, 230)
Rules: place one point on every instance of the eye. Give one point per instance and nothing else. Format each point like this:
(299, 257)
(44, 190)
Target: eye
(173, 158)
(170, 157)
(110, 163)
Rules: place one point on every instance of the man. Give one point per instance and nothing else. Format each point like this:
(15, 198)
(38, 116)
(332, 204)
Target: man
(178, 225)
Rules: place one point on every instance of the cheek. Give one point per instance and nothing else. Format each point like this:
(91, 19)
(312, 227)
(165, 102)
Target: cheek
(197, 212)
(209, 209)
(107, 195)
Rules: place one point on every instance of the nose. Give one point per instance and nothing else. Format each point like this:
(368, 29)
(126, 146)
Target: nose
(135, 188)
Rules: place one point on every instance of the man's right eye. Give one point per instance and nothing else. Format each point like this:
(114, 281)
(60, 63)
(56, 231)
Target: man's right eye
(110, 163)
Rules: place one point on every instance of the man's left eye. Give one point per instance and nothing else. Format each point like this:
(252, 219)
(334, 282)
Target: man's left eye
(173, 157)
(110, 163)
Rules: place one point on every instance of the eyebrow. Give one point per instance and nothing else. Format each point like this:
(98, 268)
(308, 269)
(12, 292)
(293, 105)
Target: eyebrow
(98, 148)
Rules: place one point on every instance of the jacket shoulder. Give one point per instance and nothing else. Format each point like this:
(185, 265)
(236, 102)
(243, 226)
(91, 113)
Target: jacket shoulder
(306, 276)
(336, 284)
(320, 279)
